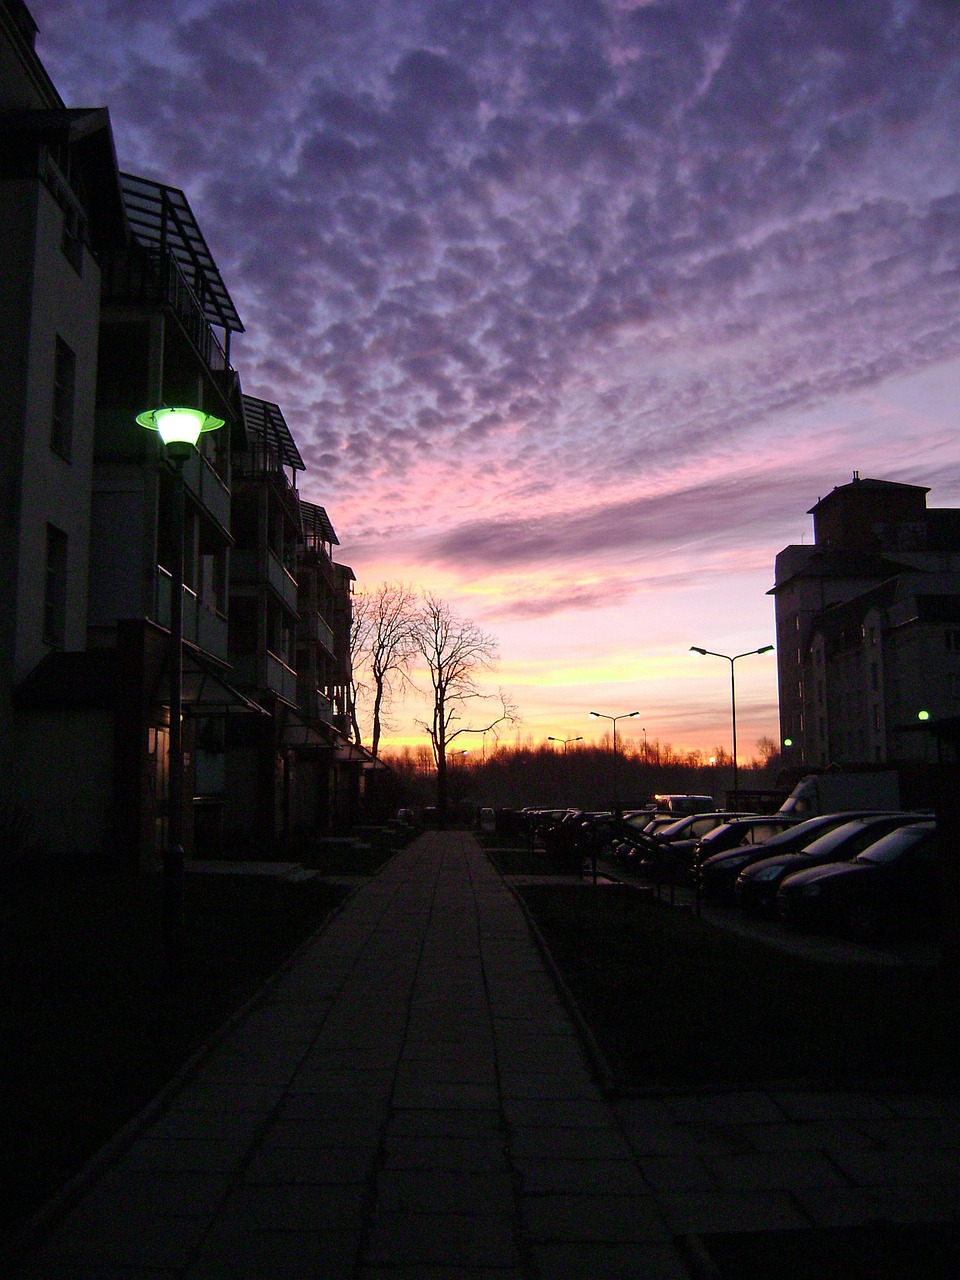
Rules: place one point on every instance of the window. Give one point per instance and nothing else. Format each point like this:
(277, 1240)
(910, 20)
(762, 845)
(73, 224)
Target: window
(64, 379)
(55, 588)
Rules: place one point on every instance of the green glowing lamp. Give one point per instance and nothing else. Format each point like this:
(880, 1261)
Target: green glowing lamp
(788, 742)
(179, 428)
(923, 715)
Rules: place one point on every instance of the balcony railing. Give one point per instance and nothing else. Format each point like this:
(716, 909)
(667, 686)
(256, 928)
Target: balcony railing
(282, 581)
(202, 624)
(203, 481)
(269, 674)
(319, 633)
(139, 274)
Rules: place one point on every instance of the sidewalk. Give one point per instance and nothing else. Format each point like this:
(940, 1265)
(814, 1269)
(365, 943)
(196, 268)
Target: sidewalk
(411, 1099)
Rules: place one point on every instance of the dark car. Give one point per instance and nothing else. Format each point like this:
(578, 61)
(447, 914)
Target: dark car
(720, 871)
(888, 888)
(671, 855)
(752, 830)
(756, 886)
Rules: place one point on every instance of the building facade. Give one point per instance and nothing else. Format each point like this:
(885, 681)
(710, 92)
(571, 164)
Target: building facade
(868, 628)
(111, 305)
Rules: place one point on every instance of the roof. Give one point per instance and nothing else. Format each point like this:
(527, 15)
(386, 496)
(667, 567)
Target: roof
(86, 132)
(317, 522)
(161, 218)
(265, 422)
(875, 486)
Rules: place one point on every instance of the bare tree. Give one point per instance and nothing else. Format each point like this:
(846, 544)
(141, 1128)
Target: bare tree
(384, 646)
(455, 651)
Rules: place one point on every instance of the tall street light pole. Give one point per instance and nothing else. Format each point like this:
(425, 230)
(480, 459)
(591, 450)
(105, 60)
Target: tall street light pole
(625, 715)
(767, 648)
(179, 429)
(566, 741)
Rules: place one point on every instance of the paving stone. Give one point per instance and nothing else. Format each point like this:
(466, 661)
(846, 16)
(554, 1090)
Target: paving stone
(930, 1166)
(555, 1143)
(337, 1209)
(584, 1217)
(601, 1177)
(444, 1191)
(449, 1239)
(850, 1206)
(810, 1135)
(783, 1170)
(430, 1122)
(471, 1155)
(607, 1262)
(748, 1107)
(699, 1211)
(316, 1165)
(239, 1252)
(845, 1105)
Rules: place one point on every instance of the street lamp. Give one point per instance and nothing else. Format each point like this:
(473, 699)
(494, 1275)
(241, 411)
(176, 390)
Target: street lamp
(626, 715)
(179, 430)
(566, 741)
(767, 648)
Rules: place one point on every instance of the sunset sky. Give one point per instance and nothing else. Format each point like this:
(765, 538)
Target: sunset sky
(575, 307)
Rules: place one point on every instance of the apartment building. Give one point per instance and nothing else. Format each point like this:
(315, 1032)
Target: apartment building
(868, 628)
(112, 304)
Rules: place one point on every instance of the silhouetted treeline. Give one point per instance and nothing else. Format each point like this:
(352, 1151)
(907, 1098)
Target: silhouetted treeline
(583, 776)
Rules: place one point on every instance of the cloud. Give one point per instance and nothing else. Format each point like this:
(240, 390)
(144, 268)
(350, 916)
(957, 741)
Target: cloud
(550, 237)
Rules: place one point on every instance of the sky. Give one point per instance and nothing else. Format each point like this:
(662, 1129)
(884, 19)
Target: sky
(574, 307)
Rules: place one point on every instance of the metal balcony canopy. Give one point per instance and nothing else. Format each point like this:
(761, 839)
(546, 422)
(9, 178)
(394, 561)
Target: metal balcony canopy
(317, 522)
(161, 218)
(266, 423)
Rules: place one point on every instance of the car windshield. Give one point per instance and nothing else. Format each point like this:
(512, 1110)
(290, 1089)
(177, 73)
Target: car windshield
(833, 839)
(895, 844)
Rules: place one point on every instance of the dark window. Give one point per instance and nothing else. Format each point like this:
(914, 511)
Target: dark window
(55, 588)
(64, 381)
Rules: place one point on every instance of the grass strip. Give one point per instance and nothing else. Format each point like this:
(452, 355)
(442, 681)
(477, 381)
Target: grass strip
(674, 1001)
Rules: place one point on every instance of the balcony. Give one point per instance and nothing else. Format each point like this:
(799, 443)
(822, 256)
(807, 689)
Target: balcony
(319, 633)
(271, 674)
(282, 581)
(202, 624)
(264, 463)
(247, 567)
(141, 275)
(205, 484)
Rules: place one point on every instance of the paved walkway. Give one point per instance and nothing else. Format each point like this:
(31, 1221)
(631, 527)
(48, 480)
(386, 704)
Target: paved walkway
(411, 1099)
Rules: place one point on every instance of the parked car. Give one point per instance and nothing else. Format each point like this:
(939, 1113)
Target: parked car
(888, 888)
(721, 871)
(671, 855)
(757, 885)
(684, 805)
(748, 830)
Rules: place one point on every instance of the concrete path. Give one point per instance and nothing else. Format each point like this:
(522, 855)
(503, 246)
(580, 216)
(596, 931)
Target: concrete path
(411, 1099)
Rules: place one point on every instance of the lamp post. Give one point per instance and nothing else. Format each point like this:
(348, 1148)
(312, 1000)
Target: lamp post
(767, 648)
(566, 741)
(625, 715)
(179, 430)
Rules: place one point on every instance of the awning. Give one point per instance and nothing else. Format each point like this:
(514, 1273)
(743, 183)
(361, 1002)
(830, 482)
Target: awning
(206, 692)
(298, 734)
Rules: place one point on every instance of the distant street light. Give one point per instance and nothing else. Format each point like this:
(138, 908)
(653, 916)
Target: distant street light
(566, 741)
(625, 715)
(179, 429)
(767, 648)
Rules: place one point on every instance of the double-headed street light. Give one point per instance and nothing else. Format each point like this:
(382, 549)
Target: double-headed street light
(767, 648)
(179, 429)
(625, 715)
(566, 741)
